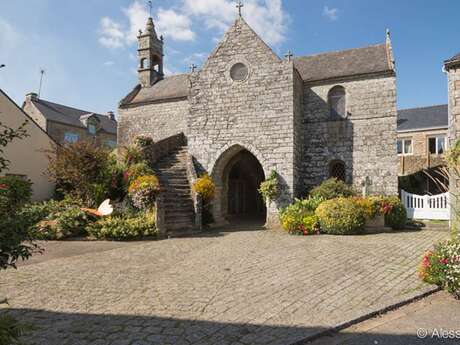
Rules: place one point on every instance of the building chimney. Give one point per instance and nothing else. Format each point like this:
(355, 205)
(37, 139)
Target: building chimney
(111, 115)
(31, 96)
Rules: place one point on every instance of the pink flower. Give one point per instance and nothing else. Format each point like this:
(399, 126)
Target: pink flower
(3, 186)
(444, 261)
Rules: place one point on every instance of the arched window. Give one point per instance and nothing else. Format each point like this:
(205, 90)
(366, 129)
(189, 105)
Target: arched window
(337, 170)
(144, 63)
(336, 100)
(156, 63)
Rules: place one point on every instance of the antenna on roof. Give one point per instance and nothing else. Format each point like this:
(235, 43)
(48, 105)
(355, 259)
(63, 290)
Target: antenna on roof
(42, 72)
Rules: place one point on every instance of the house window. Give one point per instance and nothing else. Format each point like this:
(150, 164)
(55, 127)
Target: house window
(337, 170)
(437, 145)
(336, 101)
(404, 147)
(92, 129)
(71, 137)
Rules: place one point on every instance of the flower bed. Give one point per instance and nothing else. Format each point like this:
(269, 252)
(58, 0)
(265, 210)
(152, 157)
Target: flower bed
(86, 176)
(441, 266)
(332, 208)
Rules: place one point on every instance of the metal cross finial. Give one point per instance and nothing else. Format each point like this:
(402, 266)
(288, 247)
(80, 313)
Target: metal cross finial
(289, 55)
(193, 67)
(150, 7)
(239, 6)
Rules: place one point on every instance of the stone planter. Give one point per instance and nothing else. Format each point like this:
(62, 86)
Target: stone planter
(376, 224)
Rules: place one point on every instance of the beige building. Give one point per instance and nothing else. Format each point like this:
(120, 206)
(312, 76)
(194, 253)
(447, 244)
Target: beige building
(422, 142)
(28, 157)
(67, 124)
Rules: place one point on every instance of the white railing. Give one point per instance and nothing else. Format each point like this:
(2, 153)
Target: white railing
(426, 206)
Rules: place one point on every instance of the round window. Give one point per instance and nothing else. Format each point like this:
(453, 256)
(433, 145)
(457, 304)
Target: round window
(239, 71)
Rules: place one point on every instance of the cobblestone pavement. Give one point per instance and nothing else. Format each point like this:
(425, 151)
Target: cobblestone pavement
(244, 287)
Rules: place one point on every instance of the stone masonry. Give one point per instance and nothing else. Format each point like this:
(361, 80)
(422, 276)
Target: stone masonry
(452, 68)
(371, 109)
(247, 98)
(256, 113)
(169, 119)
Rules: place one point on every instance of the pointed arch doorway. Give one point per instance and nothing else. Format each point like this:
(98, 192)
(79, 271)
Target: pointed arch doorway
(237, 175)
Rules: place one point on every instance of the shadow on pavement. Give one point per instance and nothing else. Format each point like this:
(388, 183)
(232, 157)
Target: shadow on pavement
(52, 328)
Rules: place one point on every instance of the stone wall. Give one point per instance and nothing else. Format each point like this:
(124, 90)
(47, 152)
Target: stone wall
(254, 114)
(158, 120)
(365, 140)
(453, 79)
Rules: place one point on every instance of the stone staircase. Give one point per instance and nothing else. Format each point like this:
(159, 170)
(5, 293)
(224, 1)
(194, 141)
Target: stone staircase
(177, 202)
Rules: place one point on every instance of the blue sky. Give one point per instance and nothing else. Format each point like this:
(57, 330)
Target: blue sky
(88, 48)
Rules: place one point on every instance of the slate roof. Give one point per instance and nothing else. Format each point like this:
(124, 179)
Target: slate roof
(173, 87)
(345, 63)
(72, 116)
(423, 118)
(454, 60)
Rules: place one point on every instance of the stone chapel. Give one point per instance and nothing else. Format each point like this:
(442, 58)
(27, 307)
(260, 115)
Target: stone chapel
(248, 112)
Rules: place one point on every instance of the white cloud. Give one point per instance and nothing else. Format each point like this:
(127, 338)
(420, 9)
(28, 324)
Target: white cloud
(331, 13)
(174, 25)
(215, 13)
(266, 17)
(112, 35)
(137, 16)
(109, 63)
(169, 23)
(169, 72)
(195, 58)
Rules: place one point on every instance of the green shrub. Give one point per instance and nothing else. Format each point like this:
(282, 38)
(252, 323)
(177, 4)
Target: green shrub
(293, 216)
(54, 219)
(143, 141)
(84, 171)
(38, 211)
(124, 227)
(14, 193)
(394, 211)
(269, 188)
(131, 154)
(340, 216)
(442, 266)
(137, 170)
(331, 189)
(70, 222)
(309, 225)
(11, 330)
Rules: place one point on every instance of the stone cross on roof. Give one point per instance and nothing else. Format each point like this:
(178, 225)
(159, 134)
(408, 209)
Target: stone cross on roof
(193, 67)
(289, 55)
(150, 7)
(239, 6)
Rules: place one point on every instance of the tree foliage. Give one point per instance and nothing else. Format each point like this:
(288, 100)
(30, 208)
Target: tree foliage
(85, 171)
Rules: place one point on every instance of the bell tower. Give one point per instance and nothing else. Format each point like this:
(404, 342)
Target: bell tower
(150, 55)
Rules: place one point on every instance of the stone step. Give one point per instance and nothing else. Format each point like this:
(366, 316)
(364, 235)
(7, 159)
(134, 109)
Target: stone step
(187, 224)
(179, 206)
(185, 213)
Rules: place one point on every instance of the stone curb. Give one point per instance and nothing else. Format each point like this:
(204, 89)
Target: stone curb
(370, 315)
